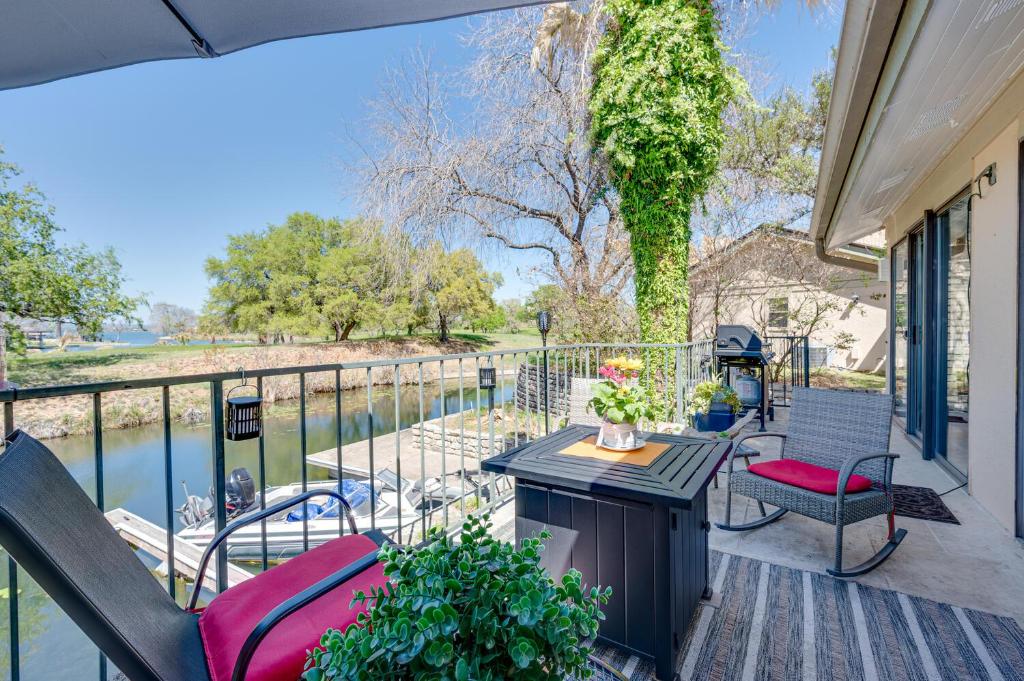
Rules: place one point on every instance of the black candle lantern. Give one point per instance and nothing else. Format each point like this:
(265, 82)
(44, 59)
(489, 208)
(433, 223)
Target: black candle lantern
(544, 324)
(244, 415)
(488, 379)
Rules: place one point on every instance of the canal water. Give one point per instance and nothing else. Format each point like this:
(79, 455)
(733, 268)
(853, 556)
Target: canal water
(133, 479)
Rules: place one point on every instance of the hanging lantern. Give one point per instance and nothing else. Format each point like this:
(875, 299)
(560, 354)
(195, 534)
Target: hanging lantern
(244, 415)
(487, 378)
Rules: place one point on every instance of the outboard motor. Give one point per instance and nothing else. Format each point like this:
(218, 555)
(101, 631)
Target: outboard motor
(240, 491)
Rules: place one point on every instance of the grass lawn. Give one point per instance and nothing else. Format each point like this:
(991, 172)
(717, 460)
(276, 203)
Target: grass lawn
(850, 380)
(55, 417)
(122, 363)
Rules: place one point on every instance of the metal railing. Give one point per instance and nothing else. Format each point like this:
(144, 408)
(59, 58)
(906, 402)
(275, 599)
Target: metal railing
(789, 367)
(540, 377)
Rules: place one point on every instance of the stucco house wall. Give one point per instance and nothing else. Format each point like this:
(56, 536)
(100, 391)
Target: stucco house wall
(991, 364)
(860, 303)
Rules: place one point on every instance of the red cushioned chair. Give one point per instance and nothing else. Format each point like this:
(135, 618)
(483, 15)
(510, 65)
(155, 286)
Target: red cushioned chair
(831, 435)
(258, 630)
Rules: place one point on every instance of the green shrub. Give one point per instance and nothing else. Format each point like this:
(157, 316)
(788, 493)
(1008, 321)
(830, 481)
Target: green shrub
(712, 391)
(478, 609)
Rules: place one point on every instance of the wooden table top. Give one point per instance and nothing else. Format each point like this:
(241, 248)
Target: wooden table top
(675, 478)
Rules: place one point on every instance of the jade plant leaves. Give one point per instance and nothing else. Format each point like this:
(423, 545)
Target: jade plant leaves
(475, 609)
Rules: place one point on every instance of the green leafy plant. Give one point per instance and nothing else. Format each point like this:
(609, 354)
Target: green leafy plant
(618, 401)
(476, 609)
(712, 391)
(660, 87)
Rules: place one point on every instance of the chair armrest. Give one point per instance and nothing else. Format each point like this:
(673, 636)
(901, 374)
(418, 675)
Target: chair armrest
(851, 464)
(734, 452)
(294, 604)
(256, 517)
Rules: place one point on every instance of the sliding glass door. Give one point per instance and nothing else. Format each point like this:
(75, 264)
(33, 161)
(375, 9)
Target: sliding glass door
(954, 240)
(900, 326)
(931, 313)
(907, 358)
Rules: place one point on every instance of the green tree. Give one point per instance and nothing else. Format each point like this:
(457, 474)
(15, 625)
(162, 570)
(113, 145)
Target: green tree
(512, 309)
(211, 326)
(660, 87)
(493, 320)
(456, 287)
(240, 294)
(311, 275)
(41, 280)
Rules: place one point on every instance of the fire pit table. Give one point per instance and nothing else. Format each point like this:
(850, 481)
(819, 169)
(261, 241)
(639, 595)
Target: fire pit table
(634, 521)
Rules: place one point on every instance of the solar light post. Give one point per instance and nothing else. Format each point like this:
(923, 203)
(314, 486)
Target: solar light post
(487, 378)
(544, 325)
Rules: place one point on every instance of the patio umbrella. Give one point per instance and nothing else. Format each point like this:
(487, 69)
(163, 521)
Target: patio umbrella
(44, 40)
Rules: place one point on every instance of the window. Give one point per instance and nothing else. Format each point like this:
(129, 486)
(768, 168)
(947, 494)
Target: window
(778, 313)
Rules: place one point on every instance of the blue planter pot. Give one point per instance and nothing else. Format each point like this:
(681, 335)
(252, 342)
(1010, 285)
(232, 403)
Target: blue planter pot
(714, 421)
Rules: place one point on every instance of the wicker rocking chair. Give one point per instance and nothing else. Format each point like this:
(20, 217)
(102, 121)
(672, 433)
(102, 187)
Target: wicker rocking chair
(835, 467)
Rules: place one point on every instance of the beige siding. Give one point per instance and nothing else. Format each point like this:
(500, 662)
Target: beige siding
(862, 319)
(994, 331)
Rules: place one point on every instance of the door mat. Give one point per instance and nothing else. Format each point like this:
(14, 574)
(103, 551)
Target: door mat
(922, 502)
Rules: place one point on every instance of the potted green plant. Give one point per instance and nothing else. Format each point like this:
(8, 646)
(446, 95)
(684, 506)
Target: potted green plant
(620, 402)
(713, 406)
(476, 609)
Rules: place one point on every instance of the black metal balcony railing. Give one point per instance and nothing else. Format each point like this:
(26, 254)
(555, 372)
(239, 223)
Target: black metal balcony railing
(540, 379)
(789, 367)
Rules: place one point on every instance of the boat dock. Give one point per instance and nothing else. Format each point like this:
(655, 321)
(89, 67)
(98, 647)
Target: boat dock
(389, 448)
(152, 539)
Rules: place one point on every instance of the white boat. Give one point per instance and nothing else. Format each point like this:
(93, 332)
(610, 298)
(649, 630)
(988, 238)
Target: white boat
(289, 532)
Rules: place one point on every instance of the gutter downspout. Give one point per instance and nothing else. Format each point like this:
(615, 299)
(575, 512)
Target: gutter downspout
(819, 250)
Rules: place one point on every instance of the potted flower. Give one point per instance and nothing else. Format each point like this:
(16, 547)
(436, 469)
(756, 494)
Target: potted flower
(713, 406)
(475, 608)
(621, 402)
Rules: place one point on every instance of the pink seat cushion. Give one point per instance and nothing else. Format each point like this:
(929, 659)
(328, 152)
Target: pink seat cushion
(231, 617)
(808, 476)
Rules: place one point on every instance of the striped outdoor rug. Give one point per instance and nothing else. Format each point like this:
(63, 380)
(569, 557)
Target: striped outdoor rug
(776, 623)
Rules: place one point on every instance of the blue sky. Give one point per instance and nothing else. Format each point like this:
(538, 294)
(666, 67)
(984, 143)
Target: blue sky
(162, 161)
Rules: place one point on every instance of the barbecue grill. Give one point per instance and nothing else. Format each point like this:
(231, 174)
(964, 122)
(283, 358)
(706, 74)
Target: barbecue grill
(737, 346)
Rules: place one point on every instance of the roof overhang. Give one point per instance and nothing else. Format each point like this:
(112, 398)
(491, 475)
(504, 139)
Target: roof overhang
(44, 40)
(867, 33)
(912, 78)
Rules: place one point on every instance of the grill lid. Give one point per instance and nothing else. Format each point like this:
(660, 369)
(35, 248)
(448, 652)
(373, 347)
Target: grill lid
(736, 340)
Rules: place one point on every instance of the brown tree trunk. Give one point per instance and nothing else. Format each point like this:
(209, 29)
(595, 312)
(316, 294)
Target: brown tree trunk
(342, 332)
(443, 327)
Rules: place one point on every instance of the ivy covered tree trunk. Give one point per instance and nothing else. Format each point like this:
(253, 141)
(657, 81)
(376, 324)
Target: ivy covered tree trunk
(660, 258)
(3, 354)
(660, 87)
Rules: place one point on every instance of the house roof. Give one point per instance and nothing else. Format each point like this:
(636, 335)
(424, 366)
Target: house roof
(46, 40)
(861, 251)
(912, 78)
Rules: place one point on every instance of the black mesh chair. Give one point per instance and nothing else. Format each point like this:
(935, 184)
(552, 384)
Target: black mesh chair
(62, 540)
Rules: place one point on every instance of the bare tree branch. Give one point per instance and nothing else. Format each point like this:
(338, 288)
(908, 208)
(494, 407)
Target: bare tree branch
(498, 153)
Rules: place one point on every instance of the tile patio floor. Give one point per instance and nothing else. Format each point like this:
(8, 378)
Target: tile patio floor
(977, 564)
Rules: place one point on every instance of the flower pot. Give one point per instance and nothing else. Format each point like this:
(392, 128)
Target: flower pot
(714, 421)
(617, 435)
